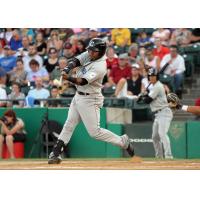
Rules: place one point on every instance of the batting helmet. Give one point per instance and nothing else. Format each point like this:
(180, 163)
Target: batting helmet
(172, 97)
(97, 44)
(153, 72)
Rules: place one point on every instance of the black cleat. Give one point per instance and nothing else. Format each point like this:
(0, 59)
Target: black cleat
(130, 149)
(54, 159)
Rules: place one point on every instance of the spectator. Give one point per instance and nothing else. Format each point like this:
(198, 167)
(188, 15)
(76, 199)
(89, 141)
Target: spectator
(12, 130)
(52, 61)
(56, 73)
(84, 34)
(39, 92)
(121, 39)
(68, 50)
(112, 60)
(25, 46)
(143, 39)
(93, 33)
(41, 44)
(32, 54)
(1, 51)
(65, 88)
(176, 68)
(29, 32)
(8, 35)
(181, 37)
(80, 47)
(195, 37)
(54, 41)
(3, 94)
(163, 34)
(15, 41)
(8, 62)
(160, 50)
(36, 72)
(122, 71)
(54, 94)
(133, 53)
(15, 95)
(130, 88)
(151, 60)
(18, 74)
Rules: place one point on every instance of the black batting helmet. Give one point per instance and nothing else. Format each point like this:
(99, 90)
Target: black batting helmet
(97, 44)
(153, 72)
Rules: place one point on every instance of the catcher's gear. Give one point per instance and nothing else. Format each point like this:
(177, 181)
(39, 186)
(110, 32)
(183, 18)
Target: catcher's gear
(97, 44)
(174, 101)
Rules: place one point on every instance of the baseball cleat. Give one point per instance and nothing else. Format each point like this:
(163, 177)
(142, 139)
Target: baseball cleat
(130, 148)
(54, 159)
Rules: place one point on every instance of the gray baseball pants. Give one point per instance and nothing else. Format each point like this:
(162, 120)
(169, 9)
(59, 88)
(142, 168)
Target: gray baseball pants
(86, 108)
(160, 138)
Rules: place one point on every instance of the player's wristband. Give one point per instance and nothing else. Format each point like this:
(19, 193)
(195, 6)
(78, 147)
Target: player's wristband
(184, 107)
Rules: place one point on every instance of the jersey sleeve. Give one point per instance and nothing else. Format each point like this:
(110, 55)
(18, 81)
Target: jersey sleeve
(83, 58)
(154, 92)
(95, 73)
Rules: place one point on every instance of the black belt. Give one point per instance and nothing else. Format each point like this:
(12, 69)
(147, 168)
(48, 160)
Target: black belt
(82, 93)
(155, 112)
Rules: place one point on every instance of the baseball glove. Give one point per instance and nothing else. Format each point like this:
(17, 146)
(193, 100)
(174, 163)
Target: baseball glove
(174, 101)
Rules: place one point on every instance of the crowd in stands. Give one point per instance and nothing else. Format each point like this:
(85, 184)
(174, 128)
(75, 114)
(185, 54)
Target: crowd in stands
(31, 60)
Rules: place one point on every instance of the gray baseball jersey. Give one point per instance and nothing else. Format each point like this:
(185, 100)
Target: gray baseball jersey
(159, 97)
(93, 72)
(161, 124)
(86, 107)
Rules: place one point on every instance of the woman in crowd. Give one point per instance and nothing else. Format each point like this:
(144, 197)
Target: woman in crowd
(11, 130)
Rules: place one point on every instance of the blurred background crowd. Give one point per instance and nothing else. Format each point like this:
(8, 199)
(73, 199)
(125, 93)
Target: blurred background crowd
(31, 61)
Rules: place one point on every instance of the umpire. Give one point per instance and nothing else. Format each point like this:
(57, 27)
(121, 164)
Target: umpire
(163, 115)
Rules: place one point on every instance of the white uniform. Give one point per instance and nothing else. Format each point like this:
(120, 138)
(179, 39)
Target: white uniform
(161, 124)
(86, 107)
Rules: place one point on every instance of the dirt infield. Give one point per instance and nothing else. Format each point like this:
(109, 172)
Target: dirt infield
(101, 164)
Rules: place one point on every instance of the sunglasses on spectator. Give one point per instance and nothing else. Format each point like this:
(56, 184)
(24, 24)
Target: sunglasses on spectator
(52, 52)
(54, 34)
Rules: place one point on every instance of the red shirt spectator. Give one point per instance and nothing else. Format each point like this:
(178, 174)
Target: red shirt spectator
(122, 71)
(160, 50)
(117, 73)
(112, 59)
(112, 63)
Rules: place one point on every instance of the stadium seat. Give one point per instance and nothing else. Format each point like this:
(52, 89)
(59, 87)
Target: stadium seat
(189, 65)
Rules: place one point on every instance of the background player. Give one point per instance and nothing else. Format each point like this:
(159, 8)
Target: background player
(163, 115)
(90, 71)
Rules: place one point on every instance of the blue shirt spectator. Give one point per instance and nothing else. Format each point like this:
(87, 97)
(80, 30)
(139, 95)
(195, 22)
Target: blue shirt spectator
(16, 41)
(8, 62)
(38, 92)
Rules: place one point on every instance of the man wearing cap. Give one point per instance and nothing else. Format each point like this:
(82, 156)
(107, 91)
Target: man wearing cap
(130, 88)
(3, 94)
(8, 61)
(68, 50)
